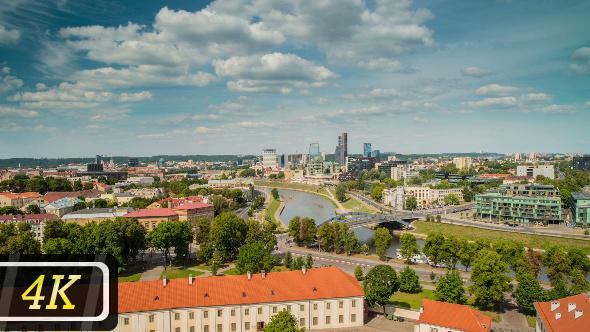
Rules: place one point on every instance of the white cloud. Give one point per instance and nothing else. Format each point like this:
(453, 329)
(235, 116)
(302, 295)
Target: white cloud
(202, 130)
(40, 86)
(9, 82)
(230, 106)
(275, 72)
(9, 36)
(64, 96)
(15, 112)
(493, 101)
(536, 97)
(476, 72)
(150, 136)
(250, 124)
(384, 64)
(588, 103)
(581, 61)
(496, 90)
(109, 114)
(135, 97)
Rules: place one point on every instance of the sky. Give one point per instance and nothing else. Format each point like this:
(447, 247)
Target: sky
(142, 78)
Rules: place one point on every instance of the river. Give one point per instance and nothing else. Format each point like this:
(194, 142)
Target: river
(303, 204)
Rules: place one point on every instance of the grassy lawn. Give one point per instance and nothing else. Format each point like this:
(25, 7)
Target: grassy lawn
(279, 268)
(179, 272)
(231, 272)
(272, 209)
(130, 277)
(532, 321)
(355, 205)
(203, 267)
(472, 233)
(410, 301)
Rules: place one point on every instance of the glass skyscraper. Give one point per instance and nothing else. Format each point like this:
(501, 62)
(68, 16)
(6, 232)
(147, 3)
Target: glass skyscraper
(314, 151)
(367, 150)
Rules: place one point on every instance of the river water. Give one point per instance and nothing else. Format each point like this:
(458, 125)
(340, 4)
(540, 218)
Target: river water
(299, 203)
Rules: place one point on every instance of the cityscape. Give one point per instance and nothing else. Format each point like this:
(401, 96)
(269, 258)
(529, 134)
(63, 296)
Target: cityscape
(292, 166)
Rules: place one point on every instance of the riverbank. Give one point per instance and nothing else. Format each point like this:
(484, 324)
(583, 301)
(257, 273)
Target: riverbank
(316, 190)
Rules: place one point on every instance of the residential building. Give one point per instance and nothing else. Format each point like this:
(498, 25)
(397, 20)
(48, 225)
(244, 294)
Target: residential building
(581, 208)
(342, 149)
(269, 158)
(357, 164)
(146, 192)
(61, 206)
(230, 183)
(463, 162)
(524, 203)
(150, 218)
(123, 198)
(581, 163)
(18, 200)
(85, 216)
(567, 314)
(367, 150)
(37, 222)
(140, 180)
(175, 202)
(147, 171)
(436, 316)
(193, 211)
(320, 298)
(52, 196)
(426, 196)
(547, 171)
(394, 197)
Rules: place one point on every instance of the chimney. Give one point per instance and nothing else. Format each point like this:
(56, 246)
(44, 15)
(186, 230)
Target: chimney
(164, 281)
(263, 274)
(557, 316)
(571, 306)
(554, 305)
(190, 279)
(578, 314)
(249, 275)
(304, 270)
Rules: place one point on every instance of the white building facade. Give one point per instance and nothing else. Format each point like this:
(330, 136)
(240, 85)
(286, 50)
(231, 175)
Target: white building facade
(547, 171)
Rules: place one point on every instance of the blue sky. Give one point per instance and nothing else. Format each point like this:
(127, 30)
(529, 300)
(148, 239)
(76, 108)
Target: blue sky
(79, 78)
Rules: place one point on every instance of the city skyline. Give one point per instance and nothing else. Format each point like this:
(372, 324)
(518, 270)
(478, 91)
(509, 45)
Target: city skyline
(124, 78)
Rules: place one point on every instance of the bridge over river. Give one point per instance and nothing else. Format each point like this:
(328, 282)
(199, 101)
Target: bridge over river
(362, 219)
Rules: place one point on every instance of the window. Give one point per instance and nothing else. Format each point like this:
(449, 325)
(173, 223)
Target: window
(246, 312)
(247, 326)
(219, 327)
(260, 310)
(176, 316)
(205, 328)
(328, 305)
(353, 318)
(206, 314)
(353, 303)
(151, 318)
(301, 307)
(340, 304)
(274, 309)
(191, 315)
(177, 329)
(125, 321)
(191, 329)
(219, 313)
(340, 319)
(301, 322)
(233, 327)
(315, 321)
(289, 308)
(233, 312)
(315, 306)
(328, 318)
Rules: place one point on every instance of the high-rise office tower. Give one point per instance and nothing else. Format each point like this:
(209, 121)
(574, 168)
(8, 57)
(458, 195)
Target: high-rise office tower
(342, 149)
(314, 152)
(367, 150)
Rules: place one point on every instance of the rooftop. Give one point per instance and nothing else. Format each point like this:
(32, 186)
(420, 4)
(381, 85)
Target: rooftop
(20, 217)
(160, 212)
(454, 316)
(581, 195)
(97, 213)
(194, 205)
(569, 314)
(318, 283)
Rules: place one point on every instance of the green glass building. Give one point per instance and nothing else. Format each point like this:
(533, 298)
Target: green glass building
(581, 208)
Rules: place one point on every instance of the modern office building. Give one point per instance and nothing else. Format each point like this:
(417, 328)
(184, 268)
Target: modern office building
(269, 158)
(367, 150)
(581, 163)
(581, 208)
(547, 171)
(320, 298)
(528, 203)
(314, 152)
(357, 164)
(376, 154)
(567, 314)
(342, 149)
(463, 162)
(132, 162)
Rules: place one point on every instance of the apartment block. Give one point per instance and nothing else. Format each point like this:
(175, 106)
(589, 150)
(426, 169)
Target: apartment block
(581, 208)
(547, 171)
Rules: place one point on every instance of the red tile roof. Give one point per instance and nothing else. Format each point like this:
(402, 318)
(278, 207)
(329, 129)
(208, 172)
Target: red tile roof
(160, 212)
(18, 217)
(454, 316)
(53, 196)
(318, 283)
(195, 205)
(567, 321)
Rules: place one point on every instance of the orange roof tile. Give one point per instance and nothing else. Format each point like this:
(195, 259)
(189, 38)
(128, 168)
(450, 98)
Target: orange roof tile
(454, 316)
(318, 283)
(194, 205)
(567, 320)
(159, 212)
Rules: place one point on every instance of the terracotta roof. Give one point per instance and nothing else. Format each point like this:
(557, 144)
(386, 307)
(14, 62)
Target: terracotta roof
(318, 283)
(18, 217)
(454, 316)
(160, 212)
(9, 195)
(194, 205)
(567, 320)
(53, 196)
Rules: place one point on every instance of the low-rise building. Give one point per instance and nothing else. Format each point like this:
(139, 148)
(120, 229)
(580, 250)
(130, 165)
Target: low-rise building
(394, 197)
(18, 200)
(150, 218)
(173, 202)
(463, 162)
(85, 216)
(320, 298)
(436, 316)
(61, 206)
(193, 211)
(141, 180)
(37, 222)
(547, 171)
(524, 203)
(146, 192)
(581, 208)
(426, 196)
(567, 314)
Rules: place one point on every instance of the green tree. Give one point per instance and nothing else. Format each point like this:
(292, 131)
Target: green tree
(33, 209)
(168, 235)
(379, 284)
(579, 284)
(450, 251)
(284, 321)
(80, 206)
(511, 252)
(274, 193)
(449, 288)
(358, 273)
(408, 246)
(254, 257)
(467, 253)
(341, 192)
(60, 246)
(308, 262)
(10, 210)
(578, 260)
(228, 234)
(100, 203)
(452, 199)
(288, 259)
(377, 192)
(202, 230)
(383, 238)
(409, 282)
(557, 262)
(247, 173)
(302, 230)
(411, 203)
(489, 279)
(527, 292)
(433, 247)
